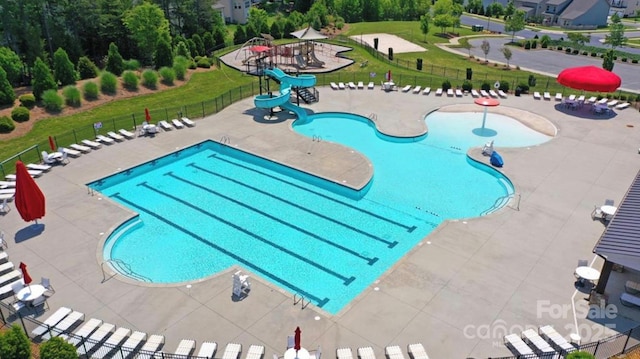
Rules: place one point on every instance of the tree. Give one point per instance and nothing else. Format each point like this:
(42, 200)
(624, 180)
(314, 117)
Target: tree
(424, 25)
(371, 10)
(42, 79)
(607, 62)
(240, 35)
(515, 23)
(257, 20)
(276, 30)
(208, 42)
(183, 50)
(577, 39)
(288, 28)
(7, 96)
(485, 48)
(163, 55)
(616, 33)
(509, 10)
(63, 69)
(443, 21)
(219, 35)
(57, 348)
(318, 11)
(197, 40)
(466, 45)
(147, 25)
(545, 40)
(12, 65)
(115, 62)
(496, 9)
(14, 344)
(86, 68)
(507, 54)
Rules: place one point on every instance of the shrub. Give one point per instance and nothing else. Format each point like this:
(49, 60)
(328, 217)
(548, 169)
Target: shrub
(204, 63)
(71, 95)
(57, 348)
(150, 79)
(624, 59)
(6, 124)
(14, 344)
(27, 100)
(52, 101)
(527, 45)
(615, 58)
(86, 68)
(7, 95)
(585, 53)
(130, 80)
(531, 81)
(634, 61)
(180, 65)
(168, 75)
(602, 56)
(485, 86)
(534, 44)
(593, 54)
(523, 87)
(580, 355)
(108, 83)
(504, 86)
(63, 69)
(90, 90)
(446, 85)
(467, 86)
(559, 48)
(192, 65)
(20, 114)
(575, 52)
(544, 45)
(623, 97)
(132, 65)
(115, 63)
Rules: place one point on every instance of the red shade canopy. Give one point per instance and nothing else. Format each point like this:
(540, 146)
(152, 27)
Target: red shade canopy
(52, 144)
(147, 116)
(260, 48)
(296, 341)
(486, 101)
(589, 78)
(26, 278)
(29, 199)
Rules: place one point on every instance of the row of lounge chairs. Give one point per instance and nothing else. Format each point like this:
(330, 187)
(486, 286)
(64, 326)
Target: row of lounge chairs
(96, 339)
(546, 343)
(351, 85)
(582, 99)
(416, 351)
(175, 123)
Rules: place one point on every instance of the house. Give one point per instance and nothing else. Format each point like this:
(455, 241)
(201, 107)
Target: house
(624, 8)
(531, 8)
(233, 11)
(584, 14)
(553, 10)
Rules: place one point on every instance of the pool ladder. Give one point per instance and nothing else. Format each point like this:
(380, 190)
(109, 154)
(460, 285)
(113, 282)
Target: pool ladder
(315, 139)
(125, 268)
(299, 298)
(225, 140)
(372, 116)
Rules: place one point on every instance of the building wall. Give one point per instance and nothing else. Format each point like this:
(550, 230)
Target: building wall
(596, 16)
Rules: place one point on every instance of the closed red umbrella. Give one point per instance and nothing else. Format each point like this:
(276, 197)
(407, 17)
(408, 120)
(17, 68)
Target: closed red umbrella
(296, 340)
(147, 116)
(52, 144)
(26, 278)
(589, 78)
(29, 200)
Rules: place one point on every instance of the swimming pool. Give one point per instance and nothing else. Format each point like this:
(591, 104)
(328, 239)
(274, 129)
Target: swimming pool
(209, 207)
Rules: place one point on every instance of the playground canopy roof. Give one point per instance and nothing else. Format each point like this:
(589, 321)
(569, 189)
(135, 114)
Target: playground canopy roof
(308, 34)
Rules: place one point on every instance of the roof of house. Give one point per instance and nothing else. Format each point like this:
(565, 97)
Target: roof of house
(577, 8)
(525, 2)
(556, 2)
(620, 242)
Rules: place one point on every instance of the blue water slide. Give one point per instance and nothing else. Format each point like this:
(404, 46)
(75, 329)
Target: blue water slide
(270, 101)
(297, 81)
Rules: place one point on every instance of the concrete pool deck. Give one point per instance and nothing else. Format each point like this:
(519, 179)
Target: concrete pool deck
(458, 292)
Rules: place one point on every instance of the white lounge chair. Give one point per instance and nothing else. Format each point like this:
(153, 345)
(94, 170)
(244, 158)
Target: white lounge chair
(426, 91)
(81, 148)
(185, 347)
(112, 343)
(484, 93)
(96, 338)
(417, 89)
(439, 92)
(8, 191)
(208, 350)
(128, 134)
(84, 332)
(612, 103)
(63, 326)
(394, 352)
(49, 159)
(406, 88)
(177, 124)
(366, 353)
(623, 105)
(458, 93)
(581, 98)
(352, 85)
(592, 99)
(603, 101)
(7, 184)
(360, 85)
(43, 168)
(51, 321)
(115, 136)
(516, 344)
(555, 339)
(416, 351)
(344, 353)
(502, 94)
(546, 96)
(558, 96)
(188, 122)
(255, 352)
(341, 86)
(106, 140)
(493, 94)
(450, 92)
(532, 338)
(536, 95)
(333, 85)
(371, 85)
(475, 93)
(232, 351)
(132, 343)
(165, 125)
(70, 152)
(572, 97)
(153, 343)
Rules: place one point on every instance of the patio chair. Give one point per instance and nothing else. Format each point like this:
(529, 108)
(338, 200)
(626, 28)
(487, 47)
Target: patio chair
(334, 85)
(255, 352)
(439, 92)
(406, 88)
(43, 168)
(426, 91)
(84, 332)
(96, 338)
(46, 283)
(178, 124)
(4, 206)
(450, 92)
(130, 346)
(165, 125)
(371, 85)
(153, 344)
(185, 347)
(393, 352)
(208, 350)
(290, 341)
(546, 96)
(106, 140)
(188, 122)
(81, 148)
(458, 93)
(51, 321)
(416, 351)
(128, 134)
(502, 94)
(69, 151)
(112, 343)
(558, 96)
(536, 95)
(417, 89)
(344, 353)
(115, 136)
(581, 263)
(475, 93)
(40, 301)
(360, 85)
(623, 105)
(517, 345)
(366, 353)
(47, 159)
(555, 339)
(63, 327)
(232, 351)
(532, 338)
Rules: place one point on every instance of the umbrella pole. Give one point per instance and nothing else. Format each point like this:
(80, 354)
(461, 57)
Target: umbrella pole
(484, 117)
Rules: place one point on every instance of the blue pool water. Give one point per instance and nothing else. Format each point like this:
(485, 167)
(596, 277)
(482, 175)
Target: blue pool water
(209, 207)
